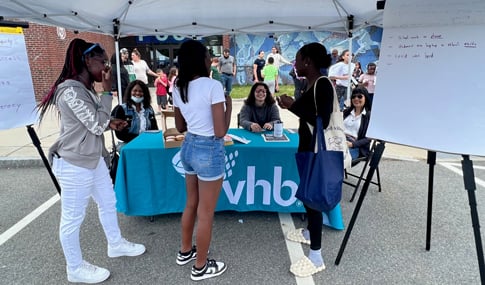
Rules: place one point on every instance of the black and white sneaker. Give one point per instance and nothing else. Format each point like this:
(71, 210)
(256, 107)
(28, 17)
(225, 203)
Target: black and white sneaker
(211, 269)
(186, 257)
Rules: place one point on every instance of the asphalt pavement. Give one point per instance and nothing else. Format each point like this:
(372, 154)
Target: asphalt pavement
(386, 246)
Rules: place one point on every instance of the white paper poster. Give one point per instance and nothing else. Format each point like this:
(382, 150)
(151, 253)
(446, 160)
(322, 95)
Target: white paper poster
(17, 99)
(431, 87)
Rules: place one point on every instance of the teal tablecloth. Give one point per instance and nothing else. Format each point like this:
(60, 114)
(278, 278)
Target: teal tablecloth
(260, 176)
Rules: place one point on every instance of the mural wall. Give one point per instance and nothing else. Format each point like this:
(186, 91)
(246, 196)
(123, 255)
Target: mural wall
(365, 46)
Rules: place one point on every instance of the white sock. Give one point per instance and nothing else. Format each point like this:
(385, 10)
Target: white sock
(316, 257)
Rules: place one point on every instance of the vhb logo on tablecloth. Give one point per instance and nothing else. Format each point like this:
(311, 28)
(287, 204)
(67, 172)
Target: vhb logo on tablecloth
(270, 191)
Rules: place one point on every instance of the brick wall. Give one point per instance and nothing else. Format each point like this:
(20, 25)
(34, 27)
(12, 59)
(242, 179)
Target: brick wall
(47, 52)
(226, 41)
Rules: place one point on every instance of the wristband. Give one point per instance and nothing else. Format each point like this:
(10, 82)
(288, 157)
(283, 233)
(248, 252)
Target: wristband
(106, 93)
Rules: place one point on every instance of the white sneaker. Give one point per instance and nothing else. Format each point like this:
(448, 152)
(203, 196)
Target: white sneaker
(125, 248)
(87, 273)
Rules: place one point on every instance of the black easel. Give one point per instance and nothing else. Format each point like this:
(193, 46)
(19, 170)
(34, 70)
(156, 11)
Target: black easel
(36, 142)
(431, 161)
(376, 158)
(469, 180)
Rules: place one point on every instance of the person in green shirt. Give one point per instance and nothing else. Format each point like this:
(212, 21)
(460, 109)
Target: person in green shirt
(214, 73)
(270, 75)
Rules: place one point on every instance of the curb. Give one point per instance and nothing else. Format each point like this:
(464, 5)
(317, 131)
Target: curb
(26, 162)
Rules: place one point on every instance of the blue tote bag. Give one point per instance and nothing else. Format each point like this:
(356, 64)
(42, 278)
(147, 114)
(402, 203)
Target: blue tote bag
(321, 174)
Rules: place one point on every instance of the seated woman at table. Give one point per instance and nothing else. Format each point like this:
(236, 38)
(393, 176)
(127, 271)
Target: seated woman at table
(137, 111)
(259, 111)
(356, 121)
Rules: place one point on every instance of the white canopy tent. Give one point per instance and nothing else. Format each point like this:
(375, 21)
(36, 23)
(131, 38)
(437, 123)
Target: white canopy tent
(193, 18)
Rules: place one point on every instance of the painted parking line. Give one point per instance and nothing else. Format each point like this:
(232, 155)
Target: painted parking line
(456, 168)
(8, 234)
(295, 250)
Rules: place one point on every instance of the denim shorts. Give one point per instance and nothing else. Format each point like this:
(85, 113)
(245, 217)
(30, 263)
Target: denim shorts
(203, 156)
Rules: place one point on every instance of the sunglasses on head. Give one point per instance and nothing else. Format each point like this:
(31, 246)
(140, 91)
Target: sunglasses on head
(359, 96)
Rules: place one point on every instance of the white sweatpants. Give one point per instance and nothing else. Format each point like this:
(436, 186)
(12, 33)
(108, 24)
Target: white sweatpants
(78, 184)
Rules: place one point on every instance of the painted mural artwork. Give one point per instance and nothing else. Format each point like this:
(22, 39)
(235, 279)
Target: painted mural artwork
(365, 46)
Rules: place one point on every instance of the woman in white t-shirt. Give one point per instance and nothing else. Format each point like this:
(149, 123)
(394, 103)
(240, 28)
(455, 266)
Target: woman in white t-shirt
(141, 67)
(340, 73)
(204, 112)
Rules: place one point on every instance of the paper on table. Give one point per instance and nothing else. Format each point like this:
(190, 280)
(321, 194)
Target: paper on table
(272, 138)
(239, 139)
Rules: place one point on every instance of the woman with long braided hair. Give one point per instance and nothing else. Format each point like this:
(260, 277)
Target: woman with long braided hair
(78, 156)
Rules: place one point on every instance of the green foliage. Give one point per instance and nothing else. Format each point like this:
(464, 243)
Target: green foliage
(242, 91)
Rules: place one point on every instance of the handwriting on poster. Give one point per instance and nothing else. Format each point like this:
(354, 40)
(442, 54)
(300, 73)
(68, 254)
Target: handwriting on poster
(426, 46)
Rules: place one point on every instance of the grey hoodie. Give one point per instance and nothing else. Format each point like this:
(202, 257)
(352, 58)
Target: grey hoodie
(84, 118)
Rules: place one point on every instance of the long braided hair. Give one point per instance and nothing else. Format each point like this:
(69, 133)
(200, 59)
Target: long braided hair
(74, 64)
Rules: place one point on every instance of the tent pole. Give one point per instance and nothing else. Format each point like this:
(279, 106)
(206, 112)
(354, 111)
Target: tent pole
(118, 73)
(118, 63)
(350, 23)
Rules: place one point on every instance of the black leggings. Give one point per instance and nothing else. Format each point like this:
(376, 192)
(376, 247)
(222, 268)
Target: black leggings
(315, 225)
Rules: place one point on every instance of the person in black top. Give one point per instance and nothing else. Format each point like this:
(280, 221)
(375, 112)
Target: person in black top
(310, 59)
(124, 77)
(258, 66)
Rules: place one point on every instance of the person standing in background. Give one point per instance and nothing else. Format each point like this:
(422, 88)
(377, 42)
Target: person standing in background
(270, 75)
(227, 68)
(368, 80)
(172, 75)
(161, 84)
(124, 76)
(278, 61)
(141, 67)
(214, 74)
(340, 72)
(125, 57)
(357, 70)
(78, 157)
(258, 65)
(299, 82)
(202, 110)
(334, 56)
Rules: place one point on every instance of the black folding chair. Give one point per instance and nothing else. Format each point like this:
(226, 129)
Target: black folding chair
(361, 177)
(239, 120)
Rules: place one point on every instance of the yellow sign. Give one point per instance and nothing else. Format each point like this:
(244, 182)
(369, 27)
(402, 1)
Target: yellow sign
(13, 31)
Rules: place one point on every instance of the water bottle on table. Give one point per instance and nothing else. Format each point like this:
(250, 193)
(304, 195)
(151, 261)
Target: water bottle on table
(278, 129)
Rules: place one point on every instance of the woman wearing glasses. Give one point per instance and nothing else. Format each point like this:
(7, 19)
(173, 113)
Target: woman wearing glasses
(356, 121)
(259, 111)
(78, 156)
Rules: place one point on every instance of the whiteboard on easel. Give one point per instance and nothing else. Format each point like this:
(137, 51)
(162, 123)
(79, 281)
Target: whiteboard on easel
(17, 97)
(430, 91)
